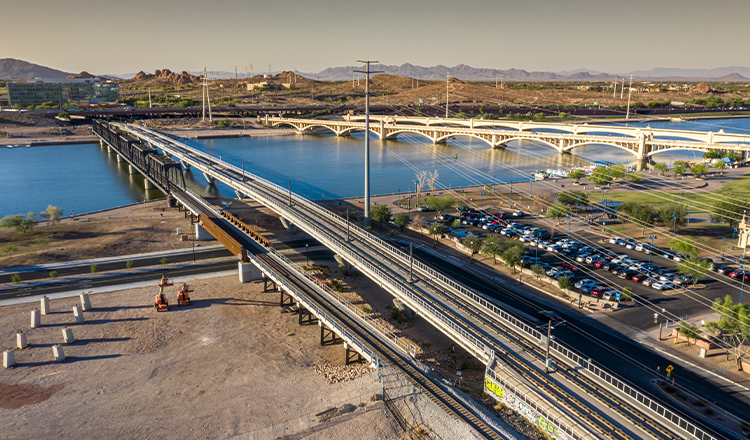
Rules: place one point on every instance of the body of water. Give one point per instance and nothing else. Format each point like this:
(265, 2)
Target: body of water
(85, 178)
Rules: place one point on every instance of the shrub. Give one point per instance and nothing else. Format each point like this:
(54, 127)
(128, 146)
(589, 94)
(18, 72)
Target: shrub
(94, 268)
(337, 286)
(426, 343)
(164, 261)
(565, 283)
(366, 309)
(53, 274)
(16, 278)
(9, 249)
(223, 123)
(129, 264)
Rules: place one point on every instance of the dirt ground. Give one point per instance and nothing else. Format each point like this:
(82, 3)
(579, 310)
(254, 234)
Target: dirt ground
(229, 364)
(124, 231)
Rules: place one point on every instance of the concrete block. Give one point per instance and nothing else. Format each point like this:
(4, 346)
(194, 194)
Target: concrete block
(78, 314)
(9, 358)
(85, 301)
(147, 184)
(21, 340)
(201, 234)
(68, 335)
(58, 353)
(36, 319)
(248, 272)
(703, 353)
(132, 169)
(120, 159)
(45, 305)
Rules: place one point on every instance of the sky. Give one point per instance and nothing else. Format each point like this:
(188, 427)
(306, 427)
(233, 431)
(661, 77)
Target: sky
(309, 35)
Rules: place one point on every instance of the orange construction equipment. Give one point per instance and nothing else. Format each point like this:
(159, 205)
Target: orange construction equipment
(160, 301)
(183, 297)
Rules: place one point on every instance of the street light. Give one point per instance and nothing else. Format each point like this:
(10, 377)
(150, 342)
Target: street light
(482, 208)
(724, 249)
(307, 258)
(690, 208)
(568, 225)
(547, 360)
(674, 226)
(651, 251)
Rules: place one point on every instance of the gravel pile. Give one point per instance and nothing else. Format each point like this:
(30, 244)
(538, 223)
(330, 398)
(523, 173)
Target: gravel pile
(343, 373)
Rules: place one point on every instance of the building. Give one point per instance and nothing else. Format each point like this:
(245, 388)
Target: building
(269, 85)
(61, 92)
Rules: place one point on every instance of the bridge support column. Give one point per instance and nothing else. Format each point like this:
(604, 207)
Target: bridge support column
(641, 164)
(201, 234)
(641, 147)
(101, 143)
(285, 300)
(132, 169)
(248, 272)
(352, 356)
(305, 316)
(239, 194)
(185, 165)
(265, 286)
(382, 129)
(327, 336)
(148, 185)
(209, 178)
(109, 149)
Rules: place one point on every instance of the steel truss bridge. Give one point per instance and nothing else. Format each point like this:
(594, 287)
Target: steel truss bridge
(641, 142)
(467, 317)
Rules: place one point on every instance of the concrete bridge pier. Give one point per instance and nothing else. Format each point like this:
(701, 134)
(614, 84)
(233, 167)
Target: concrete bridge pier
(109, 149)
(305, 316)
(641, 164)
(185, 165)
(201, 234)
(120, 159)
(132, 169)
(209, 178)
(249, 272)
(101, 143)
(239, 194)
(148, 185)
(327, 336)
(352, 356)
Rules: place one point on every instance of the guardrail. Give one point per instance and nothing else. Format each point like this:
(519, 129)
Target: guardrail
(508, 320)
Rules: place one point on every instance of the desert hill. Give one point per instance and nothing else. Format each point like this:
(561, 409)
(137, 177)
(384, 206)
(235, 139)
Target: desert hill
(17, 69)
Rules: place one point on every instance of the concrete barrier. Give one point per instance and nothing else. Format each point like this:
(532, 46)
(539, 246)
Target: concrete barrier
(68, 335)
(9, 358)
(85, 301)
(58, 353)
(78, 314)
(45, 305)
(36, 319)
(21, 340)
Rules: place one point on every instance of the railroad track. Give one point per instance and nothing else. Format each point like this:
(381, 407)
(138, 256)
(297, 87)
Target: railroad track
(399, 361)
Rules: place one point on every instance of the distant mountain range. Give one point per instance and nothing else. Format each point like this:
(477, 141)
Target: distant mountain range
(17, 69)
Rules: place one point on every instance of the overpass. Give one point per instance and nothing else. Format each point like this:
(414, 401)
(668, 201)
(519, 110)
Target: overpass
(468, 318)
(642, 143)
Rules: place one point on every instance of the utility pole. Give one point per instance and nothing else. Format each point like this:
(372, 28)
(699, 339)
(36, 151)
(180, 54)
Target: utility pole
(614, 93)
(245, 72)
(622, 89)
(367, 73)
(630, 90)
(235, 72)
(206, 97)
(447, 78)
(411, 261)
(149, 98)
(546, 357)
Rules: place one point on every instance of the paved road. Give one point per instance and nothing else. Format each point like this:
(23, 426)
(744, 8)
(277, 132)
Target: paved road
(624, 357)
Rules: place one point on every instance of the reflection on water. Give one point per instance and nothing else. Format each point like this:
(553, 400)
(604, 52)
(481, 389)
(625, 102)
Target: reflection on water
(85, 178)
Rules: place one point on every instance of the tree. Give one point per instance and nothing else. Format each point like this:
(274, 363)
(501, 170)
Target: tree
(601, 175)
(627, 293)
(538, 271)
(684, 245)
(557, 212)
(566, 283)
(673, 214)
(696, 267)
(223, 123)
(461, 115)
(164, 261)
(473, 244)
(64, 115)
(401, 219)
(573, 198)
(699, 169)
(52, 214)
(634, 176)
(42, 243)
(688, 330)
(576, 175)
(419, 182)
(456, 224)
(440, 204)
(733, 327)
(729, 212)
(436, 230)
(661, 168)
(513, 257)
(129, 264)
(492, 247)
(679, 167)
(734, 156)
(381, 214)
(641, 214)
(712, 154)
(94, 268)
(720, 165)
(618, 171)
(18, 221)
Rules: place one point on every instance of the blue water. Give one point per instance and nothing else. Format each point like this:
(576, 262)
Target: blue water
(85, 178)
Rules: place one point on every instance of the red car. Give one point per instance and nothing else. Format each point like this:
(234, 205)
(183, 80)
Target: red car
(597, 291)
(599, 263)
(638, 278)
(739, 273)
(570, 266)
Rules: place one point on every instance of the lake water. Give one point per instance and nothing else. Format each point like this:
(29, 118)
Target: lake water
(85, 178)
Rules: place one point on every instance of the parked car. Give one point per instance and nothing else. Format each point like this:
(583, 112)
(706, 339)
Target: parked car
(422, 208)
(613, 240)
(599, 263)
(554, 248)
(518, 213)
(598, 291)
(649, 281)
(626, 274)
(587, 288)
(570, 266)
(584, 282)
(639, 277)
(563, 274)
(724, 269)
(610, 295)
(663, 285)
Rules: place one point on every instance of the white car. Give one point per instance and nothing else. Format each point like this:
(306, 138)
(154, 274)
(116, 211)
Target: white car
(668, 277)
(525, 238)
(663, 285)
(505, 231)
(552, 272)
(422, 208)
(563, 274)
(609, 295)
(590, 259)
(635, 265)
(584, 282)
(613, 240)
(621, 260)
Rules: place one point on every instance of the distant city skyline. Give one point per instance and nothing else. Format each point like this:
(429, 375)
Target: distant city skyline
(310, 36)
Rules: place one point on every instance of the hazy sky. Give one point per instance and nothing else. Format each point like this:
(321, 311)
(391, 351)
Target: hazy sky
(106, 36)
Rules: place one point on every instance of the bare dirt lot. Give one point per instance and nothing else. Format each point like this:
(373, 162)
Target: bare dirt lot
(229, 364)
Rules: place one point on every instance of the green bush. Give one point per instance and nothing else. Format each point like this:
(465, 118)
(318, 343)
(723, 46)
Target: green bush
(164, 261)
(9, 249)
(129, 264)
(53, 274)
(223, 123)
(94, 268)
(16, 278)
(565, 283)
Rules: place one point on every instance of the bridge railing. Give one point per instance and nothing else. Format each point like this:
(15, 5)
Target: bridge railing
(503, 316)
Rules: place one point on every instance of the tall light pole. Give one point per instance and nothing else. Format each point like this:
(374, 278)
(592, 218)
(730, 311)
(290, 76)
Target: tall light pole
(630, 89)
(447, 81)
(651, 251)
(367, 72)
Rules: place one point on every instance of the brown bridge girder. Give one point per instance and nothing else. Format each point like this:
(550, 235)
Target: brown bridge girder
(252, 232)
(224, 238)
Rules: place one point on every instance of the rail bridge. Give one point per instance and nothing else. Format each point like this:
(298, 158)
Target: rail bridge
(641, 142)
(467, 317)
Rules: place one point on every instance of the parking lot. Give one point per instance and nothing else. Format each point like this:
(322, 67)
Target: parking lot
(602, 266)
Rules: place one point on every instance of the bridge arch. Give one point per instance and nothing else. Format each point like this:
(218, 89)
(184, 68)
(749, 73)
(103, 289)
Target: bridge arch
(664, 150)
(350, 130)
(394, 134)
(549, 144)
(471, 135)
(581, 144)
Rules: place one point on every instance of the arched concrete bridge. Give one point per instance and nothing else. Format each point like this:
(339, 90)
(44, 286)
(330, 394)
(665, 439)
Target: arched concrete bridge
(708, 137)
(641, 144)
